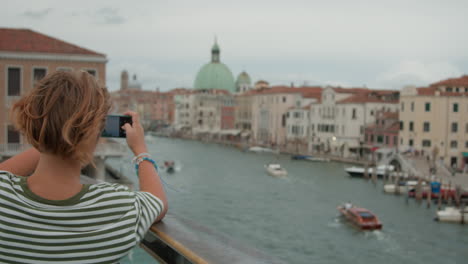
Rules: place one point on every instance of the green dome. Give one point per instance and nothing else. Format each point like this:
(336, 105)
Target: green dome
(243, 79)
(215, 75)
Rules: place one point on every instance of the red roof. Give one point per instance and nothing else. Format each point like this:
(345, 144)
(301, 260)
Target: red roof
(364, 98)
(309, 90)
(26, 40)
(350, 90)
(390, 115)
(461, 81)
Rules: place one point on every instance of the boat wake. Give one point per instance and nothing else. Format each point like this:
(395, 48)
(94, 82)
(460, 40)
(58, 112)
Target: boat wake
(335, 223)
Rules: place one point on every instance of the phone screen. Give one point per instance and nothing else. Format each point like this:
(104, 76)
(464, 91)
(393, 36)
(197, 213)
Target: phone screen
(113, 127)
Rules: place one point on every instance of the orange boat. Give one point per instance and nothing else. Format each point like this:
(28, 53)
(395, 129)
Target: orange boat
(360, 217)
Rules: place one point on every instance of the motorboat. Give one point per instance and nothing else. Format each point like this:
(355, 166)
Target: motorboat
(317, 159)
(170, 166)
(401, 187)
(263, 150)
(452, 214)
(361, 218)
(276, 170)
(359, 171)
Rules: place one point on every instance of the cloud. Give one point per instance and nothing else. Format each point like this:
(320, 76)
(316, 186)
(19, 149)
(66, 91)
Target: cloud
(38, 14)
(108, 15)
(416, 73)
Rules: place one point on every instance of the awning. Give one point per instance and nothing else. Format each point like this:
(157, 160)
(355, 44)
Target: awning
(465, 154)
(245, 134)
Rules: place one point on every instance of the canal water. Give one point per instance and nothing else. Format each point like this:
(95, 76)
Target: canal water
(295, 219)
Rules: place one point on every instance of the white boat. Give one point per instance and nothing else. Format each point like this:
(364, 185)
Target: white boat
(403, 187)
(317, 159)
(262, 150)
(452, 214)
(275, 170)
(359, 171)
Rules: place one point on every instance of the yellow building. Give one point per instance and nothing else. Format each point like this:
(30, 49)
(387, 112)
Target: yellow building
(434, 121)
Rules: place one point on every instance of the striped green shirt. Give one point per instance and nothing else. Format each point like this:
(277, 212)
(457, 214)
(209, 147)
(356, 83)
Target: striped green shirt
(100, 224)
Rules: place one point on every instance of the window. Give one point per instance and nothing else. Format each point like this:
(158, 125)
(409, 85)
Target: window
(13, 136)
(466, 144)
(379, 139)
(449, 89)
(410, 142)
(14, 82)
(453, 144)
(366, 137)
(455, 107)
(427, 127)
(402, 107)
(426, 143)
(412, 106)
(371, 138)
(401, 126)
(466, 128)
(371, 113)
(283, 120)
(411, 126)
(395, 140)
(354, 113)
(401, 141)
(427, 107)
(284, 99)
(312, 127)
(38, 74)
(386, 139)
(454, 127)
(92, 72)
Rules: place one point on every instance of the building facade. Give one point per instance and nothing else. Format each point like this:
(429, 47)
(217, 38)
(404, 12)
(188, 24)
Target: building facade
(434, 120)
(26, 57)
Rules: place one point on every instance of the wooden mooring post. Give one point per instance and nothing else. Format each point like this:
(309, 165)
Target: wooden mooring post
(366, 171)
(374, 174)
(439, 202)
(429, 197)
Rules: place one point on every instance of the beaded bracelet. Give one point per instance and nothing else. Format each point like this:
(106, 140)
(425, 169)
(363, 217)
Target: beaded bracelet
(134, 160)
(141, 159)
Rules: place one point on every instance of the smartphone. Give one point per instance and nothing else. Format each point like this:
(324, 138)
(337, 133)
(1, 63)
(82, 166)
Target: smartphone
(113, 127)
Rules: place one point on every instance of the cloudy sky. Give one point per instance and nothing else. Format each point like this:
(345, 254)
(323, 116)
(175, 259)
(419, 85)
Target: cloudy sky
(377, 43)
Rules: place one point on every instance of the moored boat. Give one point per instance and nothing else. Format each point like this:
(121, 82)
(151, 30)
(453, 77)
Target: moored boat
(401, 187)
(360, 217)
(300, 157)
(263, 150)
(359, 171)
(318, 159)
(276, 170)
(452, 214)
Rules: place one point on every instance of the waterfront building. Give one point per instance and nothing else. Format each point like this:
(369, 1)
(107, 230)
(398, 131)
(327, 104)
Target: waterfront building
(269, 108)
(338, 121)
(156, 109)
(26, 57)
(243, 113)
(384, 132)
(298, 127)
(434, 120)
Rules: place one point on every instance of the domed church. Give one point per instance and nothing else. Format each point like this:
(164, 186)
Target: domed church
(215, 75)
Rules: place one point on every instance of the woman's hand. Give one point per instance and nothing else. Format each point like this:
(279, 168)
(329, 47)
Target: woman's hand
(135, 134)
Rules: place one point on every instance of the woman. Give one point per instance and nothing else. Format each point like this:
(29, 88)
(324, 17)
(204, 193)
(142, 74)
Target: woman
(49, 216)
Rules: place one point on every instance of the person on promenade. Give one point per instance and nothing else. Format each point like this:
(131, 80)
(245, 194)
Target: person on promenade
(46, 214)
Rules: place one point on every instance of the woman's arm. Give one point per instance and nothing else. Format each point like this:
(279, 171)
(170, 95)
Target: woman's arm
(22, 164)
(148, 176)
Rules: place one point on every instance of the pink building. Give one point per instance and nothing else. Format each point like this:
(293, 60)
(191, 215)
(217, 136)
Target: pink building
(384, 132)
